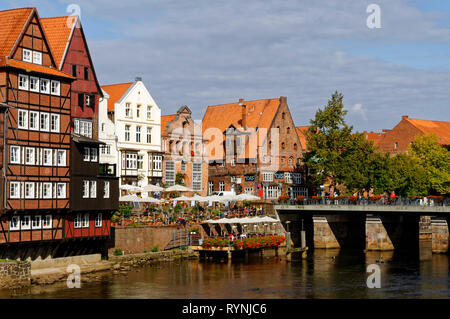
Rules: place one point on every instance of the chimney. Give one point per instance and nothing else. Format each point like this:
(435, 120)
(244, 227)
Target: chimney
(283, 99)
(404, 117)
(138, 78)
(244, 113)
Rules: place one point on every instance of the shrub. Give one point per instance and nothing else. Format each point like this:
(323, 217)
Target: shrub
(125, 210)
(154, 249)
(118, 252)
(183, 247)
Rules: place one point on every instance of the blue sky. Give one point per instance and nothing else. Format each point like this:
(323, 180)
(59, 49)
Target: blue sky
(203, 53)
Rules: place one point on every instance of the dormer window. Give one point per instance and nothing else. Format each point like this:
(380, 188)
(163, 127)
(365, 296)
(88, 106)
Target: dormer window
(37, 57)
(26, 55)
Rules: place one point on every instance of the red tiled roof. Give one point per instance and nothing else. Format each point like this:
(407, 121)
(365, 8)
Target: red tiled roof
(439, 128)
(115, 92)
(164, 120)
(36, 68)
(301, 131)
(12, 23)
(376, 137)
(57, 33)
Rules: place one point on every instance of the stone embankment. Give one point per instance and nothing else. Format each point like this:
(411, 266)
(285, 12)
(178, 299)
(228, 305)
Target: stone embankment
(14, 274)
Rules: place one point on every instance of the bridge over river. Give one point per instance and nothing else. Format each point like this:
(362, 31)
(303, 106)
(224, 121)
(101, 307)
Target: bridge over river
(365, 226)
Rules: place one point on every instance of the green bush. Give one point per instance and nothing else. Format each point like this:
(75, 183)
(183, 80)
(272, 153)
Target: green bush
(125, 211)
(154, 249)
(118, 252)
(183, 247)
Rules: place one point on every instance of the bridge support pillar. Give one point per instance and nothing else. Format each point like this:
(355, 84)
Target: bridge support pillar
(439, 235)
(393, 231)
(323, 235)
(339, 231)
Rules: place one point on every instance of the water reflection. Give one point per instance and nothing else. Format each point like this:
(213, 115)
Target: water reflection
(324, 274)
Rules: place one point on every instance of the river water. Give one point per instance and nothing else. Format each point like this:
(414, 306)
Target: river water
(324, 274)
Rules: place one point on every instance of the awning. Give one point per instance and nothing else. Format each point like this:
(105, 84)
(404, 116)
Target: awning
(85, 140)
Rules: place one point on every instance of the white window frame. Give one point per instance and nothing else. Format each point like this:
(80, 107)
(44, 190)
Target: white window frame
(47, 160)
(149, 112)
(55, 87)
(86, 154)
(27, 225)
(54, 123)
(44, 118)
(77, 221)
(98, 220)
(93, 154)
(127, 132)
(85, 221)
(35, 116)
(32, 191)
(14, 190)
(86, 189)
(61, 190)
(210, 187)
(36, 222)
(157, 163)
(267, 176)
(22, 119)
(170, 173)
(138, 134)
(61, 157)
(27, 55)
(44, 86)
(14, 154)
(47, 222)
(197, 176)
(288, 178)
(49, 188)
(76, 126)
(37, 57)
(36, 84)
(93, 189)
(17, 222)
(30, 156)
(221, 186)
(106, 187)
(23, 82)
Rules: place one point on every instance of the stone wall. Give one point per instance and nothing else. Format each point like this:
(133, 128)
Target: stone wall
(14, 274)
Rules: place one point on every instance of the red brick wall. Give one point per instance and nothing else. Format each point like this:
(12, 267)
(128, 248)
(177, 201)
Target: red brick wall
(403, 134)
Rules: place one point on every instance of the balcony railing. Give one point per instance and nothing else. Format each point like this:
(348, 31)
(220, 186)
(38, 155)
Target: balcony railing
(394, 201)
(107, 170)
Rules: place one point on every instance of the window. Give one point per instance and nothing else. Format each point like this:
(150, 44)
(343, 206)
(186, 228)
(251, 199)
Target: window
(288, 130)
(86, 156)
(271, 191)
(74, 70)
(47, 190)
(14, 190)
(128, 110)
(105, 149)
(85, 222)
(29, 190)
(288, 177)
(233, 162)
(98, 220)
(47, 160)
(103, 127)
(138, 111)
(26, 55)
(45, 87)
(36, 222)
(94, 154)
(47, 222)
(87, 99)
(267, 176)
(221, 186)
(197, 176)
(34, 120)
(80, 99)
(248, 190)
(37, 57)
(54, 127)
(45, 121)
(30, 156)
(61, 157)
(138, 134)
(297, 178)
(85, 128)
(395, 145)
(34, 84)
(76, 126)
(149, 112)
(170, 173)
(25, 222)
(157, 162)
(14, 223)
(106, 190)
(55, 88)
(61, 190)
(210, 187)
(283, 145)
(14, 154)
(140, 161)
(183, 166)
(127, 133)
(77, 221)
(149, 135)
(86, 73)
(93, 189)
(290, 160)
(131, 161)
(23, 82)
(85, 189)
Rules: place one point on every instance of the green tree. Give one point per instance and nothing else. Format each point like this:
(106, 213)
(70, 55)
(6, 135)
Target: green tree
(436, 161)
(407, 176)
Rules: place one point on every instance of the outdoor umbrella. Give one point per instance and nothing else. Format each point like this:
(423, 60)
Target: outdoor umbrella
(131, 188)
(178, 188)
(152, 188)
(129, 198)
(199, 198)
(247, 197)
(182, 199)
(149, 200)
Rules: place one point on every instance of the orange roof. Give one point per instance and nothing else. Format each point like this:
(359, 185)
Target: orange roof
(115, 92)
(376, 137)
(57, 34)
(12, 23)
(301, 131)
(259, 114)
(164, 120)
(439, 128)
(36, 68)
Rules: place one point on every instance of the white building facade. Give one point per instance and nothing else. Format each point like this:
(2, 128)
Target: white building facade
(130, 125)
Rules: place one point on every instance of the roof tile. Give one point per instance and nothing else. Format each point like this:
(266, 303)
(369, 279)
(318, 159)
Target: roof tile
(115, 92)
